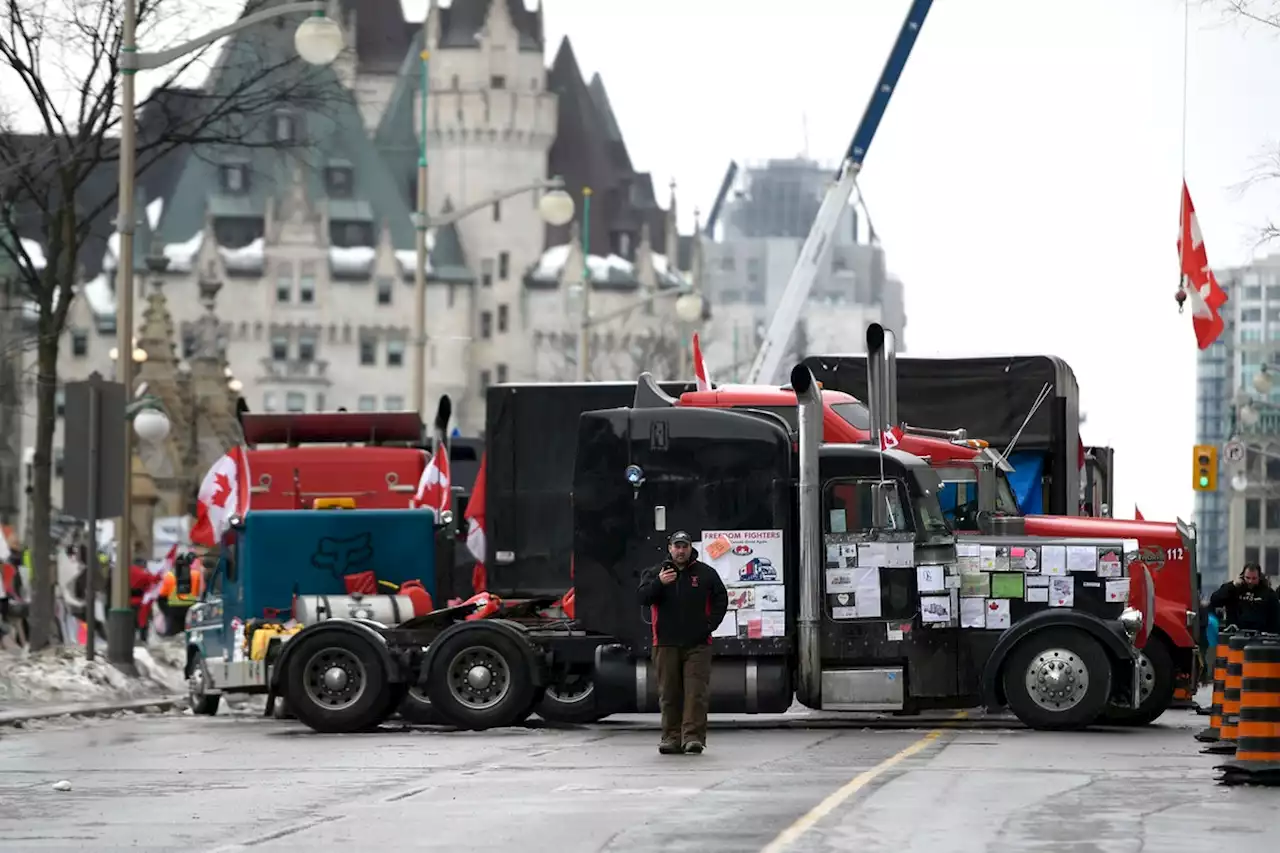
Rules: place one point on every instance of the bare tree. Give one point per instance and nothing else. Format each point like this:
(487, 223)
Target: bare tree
(615, 355)
(57, 185)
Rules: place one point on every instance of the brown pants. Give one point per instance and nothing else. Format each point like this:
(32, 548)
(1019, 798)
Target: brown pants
(684, 690)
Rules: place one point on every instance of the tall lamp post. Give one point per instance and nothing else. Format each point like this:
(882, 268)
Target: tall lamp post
(318, 41)
(584, 326)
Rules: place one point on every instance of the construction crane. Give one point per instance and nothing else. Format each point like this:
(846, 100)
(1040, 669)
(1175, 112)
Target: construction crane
(817, 245)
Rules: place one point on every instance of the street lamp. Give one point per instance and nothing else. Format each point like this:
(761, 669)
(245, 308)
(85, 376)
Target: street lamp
(151, 423)
(1262, 381)
(689, 308)
(318, 41)
(556, 208)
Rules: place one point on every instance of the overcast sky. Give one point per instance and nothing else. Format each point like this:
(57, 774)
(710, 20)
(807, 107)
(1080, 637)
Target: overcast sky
(1024, 182)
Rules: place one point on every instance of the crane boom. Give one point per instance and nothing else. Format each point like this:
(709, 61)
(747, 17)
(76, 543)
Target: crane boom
(818, 244)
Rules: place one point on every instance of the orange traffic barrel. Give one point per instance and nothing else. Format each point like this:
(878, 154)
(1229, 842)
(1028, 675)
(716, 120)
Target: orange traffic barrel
(1226, 744)
(1214, 731)
(1257, 758)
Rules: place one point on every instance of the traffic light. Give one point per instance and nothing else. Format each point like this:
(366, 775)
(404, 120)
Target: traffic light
(1204, 473)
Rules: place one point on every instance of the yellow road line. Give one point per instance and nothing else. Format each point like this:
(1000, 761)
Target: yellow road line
(807, 821)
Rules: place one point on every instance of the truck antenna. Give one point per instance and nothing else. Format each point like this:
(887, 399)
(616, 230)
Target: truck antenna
(1044, 395)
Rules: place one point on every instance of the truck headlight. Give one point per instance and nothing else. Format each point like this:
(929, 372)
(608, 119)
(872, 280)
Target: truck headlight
(1131, 620)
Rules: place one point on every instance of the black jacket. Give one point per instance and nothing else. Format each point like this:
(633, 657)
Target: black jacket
(685, 612)
(1256, 609)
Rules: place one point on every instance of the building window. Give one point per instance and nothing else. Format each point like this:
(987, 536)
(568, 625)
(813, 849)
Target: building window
(284, 127)
(1251, 554)
(502, 318)
(384, 291)
(348, 234)
(279, 347)
(60, 402)
(497, 211)
(484, 380)
(486, 324)
(504, 265)
(284, 289)
(79, 343)
(1252, 514)
(234, 178)
(367, 403)
(338, 181)
(307, 347)
(393, 403)
(395, 353)
(295, 401)
(307, 290)
(269, 401)
(58, 462)
(497, 81)
(188, 343)
(502, 373)
(486, 272)
(368, 350)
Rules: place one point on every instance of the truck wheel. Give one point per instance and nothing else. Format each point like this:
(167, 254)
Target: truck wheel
(572, 700)
(416, 708)
(1156, 681)
(1058, 678)
(201, 700)
(481, 680)
(336, 683)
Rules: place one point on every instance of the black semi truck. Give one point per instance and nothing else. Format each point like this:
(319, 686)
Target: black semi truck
(849, 591)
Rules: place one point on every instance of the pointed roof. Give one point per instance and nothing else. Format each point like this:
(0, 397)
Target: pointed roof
(462, 21)
(325, 114)
(382, 33)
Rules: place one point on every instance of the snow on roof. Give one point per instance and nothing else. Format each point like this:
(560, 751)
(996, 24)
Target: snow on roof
(352, 260)
(408, 258)
(100, 295)
(247, 258)
(182, 256)
(551, 264)
(155, 209)
(35, 252)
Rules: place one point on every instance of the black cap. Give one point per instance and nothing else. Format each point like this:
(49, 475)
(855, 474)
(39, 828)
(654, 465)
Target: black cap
(680, 536)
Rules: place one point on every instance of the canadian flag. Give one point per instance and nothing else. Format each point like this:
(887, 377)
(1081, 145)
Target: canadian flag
(224, 492)
(1198, 281)
(476, 543)
(158, 568)
(890, 437)
(700, 374)
(434, 490)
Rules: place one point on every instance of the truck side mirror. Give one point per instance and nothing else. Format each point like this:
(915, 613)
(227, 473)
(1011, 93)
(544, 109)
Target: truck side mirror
(882, 494)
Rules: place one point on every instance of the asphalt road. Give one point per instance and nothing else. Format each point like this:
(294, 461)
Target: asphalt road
(239, 783)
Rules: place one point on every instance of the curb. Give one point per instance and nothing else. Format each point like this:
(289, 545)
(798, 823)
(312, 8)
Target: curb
(88, 709)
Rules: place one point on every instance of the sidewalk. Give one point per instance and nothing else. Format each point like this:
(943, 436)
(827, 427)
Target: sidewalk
(19, 713)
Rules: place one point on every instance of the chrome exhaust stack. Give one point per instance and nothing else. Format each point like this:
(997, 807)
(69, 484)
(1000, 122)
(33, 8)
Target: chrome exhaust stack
(809, 404)
(882, 380)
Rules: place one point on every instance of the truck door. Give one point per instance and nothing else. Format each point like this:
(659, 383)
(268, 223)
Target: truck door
(872, 618)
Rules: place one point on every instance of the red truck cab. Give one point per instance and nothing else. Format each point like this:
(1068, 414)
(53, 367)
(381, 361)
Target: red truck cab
(295, 459)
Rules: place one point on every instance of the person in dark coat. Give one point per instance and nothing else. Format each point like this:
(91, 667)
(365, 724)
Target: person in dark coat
(1249, 601)
(687, 601)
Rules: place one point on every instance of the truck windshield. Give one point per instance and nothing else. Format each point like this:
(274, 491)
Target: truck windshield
(854, 414)
(930, 519)
(958, 497)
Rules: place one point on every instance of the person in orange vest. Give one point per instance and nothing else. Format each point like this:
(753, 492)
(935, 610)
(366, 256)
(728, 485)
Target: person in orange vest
(183, 585)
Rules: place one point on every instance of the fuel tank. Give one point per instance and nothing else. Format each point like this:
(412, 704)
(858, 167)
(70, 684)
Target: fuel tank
(387, 609)
(739, 685)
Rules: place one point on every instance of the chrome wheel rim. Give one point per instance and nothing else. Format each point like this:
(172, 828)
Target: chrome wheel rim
(1057, 680)
(575, 689)
(1146, 678)
(479, 678)
(334, 678)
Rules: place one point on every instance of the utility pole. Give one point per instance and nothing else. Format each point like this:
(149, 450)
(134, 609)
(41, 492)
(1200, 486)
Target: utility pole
(584, 326)
(420, 265)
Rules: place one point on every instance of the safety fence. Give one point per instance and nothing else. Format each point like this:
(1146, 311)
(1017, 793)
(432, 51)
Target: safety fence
(1244, 719)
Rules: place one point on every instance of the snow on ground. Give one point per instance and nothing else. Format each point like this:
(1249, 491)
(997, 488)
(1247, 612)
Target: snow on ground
(62, 675)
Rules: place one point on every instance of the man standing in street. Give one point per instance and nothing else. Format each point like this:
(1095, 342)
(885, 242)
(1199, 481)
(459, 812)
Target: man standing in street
(687, 601)
(1250, 603)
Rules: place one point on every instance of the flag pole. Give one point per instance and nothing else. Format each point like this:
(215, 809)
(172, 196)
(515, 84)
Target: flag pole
(1182, 217)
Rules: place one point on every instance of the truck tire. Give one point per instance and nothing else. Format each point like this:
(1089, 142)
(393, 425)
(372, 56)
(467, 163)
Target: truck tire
(481, 680)
(203, 703)
(336, 683)
(1056, 679)
(573, 701)
(1157, 674)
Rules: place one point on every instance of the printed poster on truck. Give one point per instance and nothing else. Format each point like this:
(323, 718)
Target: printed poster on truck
(743, 557)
